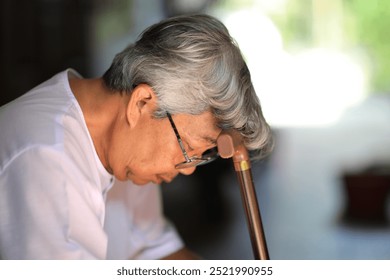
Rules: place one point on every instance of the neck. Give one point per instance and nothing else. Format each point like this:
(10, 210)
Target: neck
(100, 108)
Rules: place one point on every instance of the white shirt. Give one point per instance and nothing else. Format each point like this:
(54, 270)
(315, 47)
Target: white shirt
(53, 188)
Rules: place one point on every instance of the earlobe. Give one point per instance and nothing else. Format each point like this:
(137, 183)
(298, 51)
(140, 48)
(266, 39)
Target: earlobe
(142, 100)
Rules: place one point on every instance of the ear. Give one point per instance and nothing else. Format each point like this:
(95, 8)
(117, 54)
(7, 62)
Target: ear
(142, 100)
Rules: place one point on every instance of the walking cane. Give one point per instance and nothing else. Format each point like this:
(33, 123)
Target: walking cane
(230, 145)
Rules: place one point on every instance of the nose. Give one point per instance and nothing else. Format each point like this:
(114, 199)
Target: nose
(187, 171)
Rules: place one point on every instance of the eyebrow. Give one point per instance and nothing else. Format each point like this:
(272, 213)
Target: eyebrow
(209, 139)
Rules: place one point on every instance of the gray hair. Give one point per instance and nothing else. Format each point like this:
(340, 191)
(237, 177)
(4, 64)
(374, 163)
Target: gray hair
(194, 65)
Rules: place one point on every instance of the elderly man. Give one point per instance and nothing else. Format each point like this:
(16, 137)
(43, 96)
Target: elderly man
(155, 113)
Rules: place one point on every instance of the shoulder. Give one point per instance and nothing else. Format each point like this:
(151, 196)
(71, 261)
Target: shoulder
(41, 121)
(33, 161)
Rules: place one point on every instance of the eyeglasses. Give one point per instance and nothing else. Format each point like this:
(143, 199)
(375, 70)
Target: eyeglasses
(193, 161)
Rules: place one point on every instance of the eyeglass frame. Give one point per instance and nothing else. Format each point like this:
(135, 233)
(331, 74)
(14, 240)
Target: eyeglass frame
(194, 160)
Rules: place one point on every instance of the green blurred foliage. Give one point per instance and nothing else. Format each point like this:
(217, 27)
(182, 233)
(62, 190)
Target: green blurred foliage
(295, 22)
(366, 26)
(372, 26)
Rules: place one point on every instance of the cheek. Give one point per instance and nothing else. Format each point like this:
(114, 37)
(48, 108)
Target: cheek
(152, 160)
(156, 160)
(147, 152)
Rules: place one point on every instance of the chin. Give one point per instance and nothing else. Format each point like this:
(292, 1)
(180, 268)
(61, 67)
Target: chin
(122, 179)
(140, 182)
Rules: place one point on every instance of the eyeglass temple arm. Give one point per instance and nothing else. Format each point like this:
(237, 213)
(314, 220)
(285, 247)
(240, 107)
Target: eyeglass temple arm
(187, 158)
(230, 145)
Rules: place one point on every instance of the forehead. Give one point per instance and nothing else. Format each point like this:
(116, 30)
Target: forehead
(201, 127)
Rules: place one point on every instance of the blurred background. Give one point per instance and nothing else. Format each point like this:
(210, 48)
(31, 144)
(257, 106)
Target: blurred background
(322, 73)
